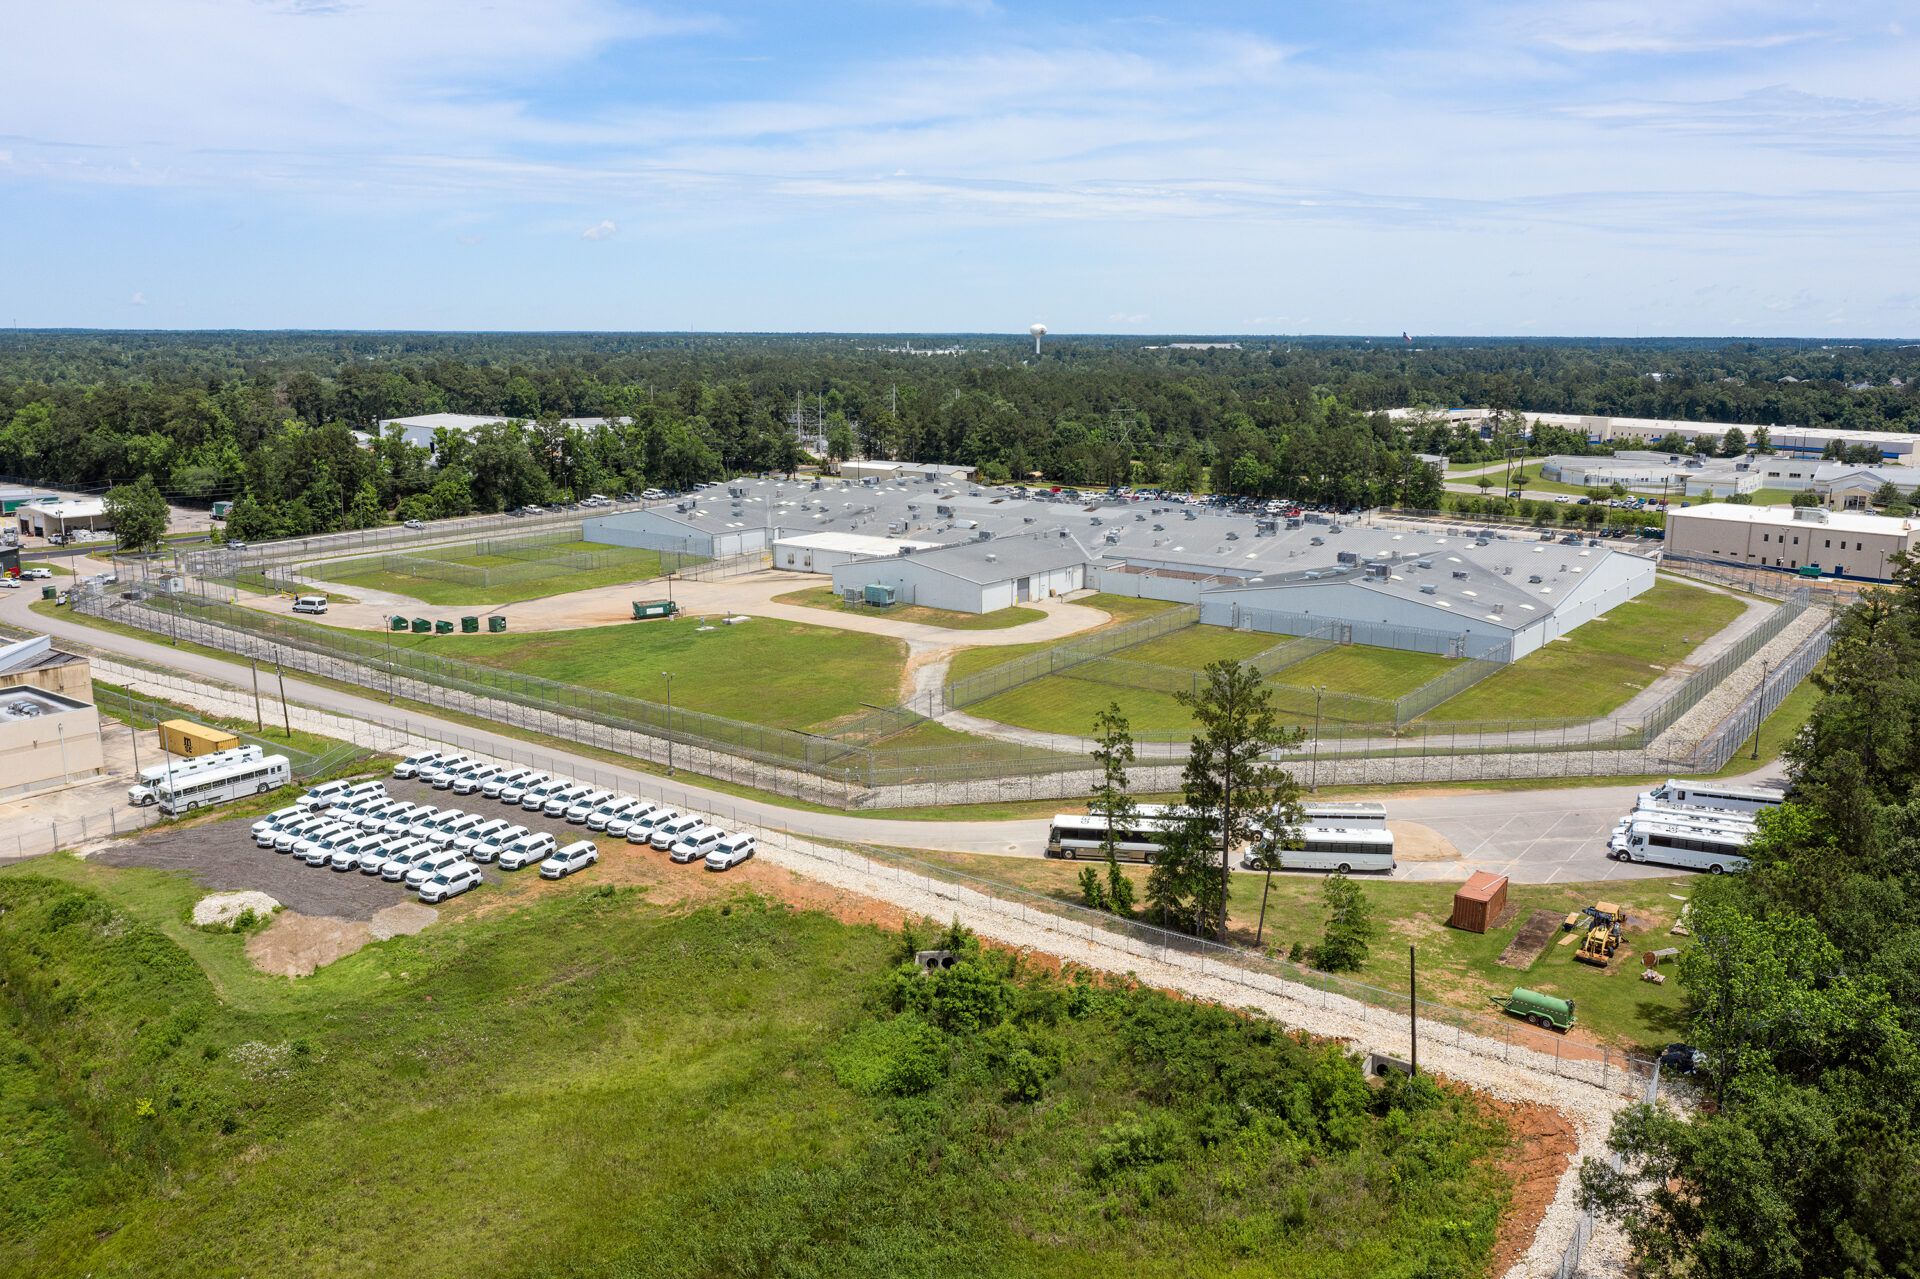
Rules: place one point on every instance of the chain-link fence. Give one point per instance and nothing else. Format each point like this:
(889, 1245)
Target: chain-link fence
(1775, 583)
(1583, 1229)
(1060, 658)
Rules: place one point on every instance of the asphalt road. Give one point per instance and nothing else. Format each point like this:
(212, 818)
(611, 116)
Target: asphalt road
(1533, 836)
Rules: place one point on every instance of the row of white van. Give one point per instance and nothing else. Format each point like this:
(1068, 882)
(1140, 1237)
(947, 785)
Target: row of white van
(1691, 826)
(685, 837)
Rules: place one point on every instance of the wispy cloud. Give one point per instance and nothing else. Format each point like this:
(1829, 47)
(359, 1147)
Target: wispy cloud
(599, 231)
(138, 299)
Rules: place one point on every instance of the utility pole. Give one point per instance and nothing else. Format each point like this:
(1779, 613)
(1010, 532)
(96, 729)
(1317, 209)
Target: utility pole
(259, 717)
(1313, 783)
(286, 714)
(1413, 1010)
(1758, 715)
(669, 678)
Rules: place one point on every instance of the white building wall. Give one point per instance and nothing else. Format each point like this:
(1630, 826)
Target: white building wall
(1176, 590)
(914, 584)
(1618, 579)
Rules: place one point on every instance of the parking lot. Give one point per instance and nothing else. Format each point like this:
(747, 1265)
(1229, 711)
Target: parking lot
(223, 856)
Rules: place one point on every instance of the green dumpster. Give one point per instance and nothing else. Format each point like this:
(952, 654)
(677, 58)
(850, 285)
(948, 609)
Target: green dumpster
(443, 628)
(496, 624)
(469, 626)
(421, 626)
(396, 623)
(48, 592)
(643, 609)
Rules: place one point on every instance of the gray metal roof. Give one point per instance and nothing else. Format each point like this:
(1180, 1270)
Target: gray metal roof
(1002, 558)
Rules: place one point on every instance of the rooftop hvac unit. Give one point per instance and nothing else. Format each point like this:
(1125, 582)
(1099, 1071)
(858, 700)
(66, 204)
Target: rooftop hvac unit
(1113, 537)
(1428, 588)
(1319, 541)
(1190, 515)
(1423, 563)
(1499, 608)
(1026, 519)
(1139, 518)
(1345, 557)
(1460, 575)
(1506, 570)
(1480, 541)
(1063, 532)
(1536, 579)
(943, 509)
(1159, 528)
(1233, 537)
(1313, 575)
(992, 559)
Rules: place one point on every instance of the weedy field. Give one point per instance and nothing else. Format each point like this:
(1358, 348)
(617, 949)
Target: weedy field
(589, 1084)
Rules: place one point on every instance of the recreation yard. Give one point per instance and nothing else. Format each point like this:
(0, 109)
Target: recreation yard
(463, 584)
(829, 600)
(678, 1077)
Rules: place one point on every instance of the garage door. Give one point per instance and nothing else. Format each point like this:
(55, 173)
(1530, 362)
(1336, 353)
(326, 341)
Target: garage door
(1024, 591)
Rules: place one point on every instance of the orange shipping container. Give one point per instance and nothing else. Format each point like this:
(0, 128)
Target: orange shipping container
(1479, 901)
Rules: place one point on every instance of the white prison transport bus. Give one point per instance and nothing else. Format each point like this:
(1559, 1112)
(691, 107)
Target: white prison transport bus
(218, 785)
(151, 778)
(1357, 813)
(1734, 799)
(1141, 839)
(1345, 849)
(1687, 847)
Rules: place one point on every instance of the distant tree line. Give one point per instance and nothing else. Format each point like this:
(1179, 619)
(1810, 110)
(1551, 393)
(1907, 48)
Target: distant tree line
(268, 418)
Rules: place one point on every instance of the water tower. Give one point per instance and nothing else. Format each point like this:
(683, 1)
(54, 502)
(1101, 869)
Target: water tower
(1039, 331)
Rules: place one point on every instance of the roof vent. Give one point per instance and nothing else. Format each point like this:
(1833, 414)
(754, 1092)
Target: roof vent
(1423, 563)
(992, 558)
(1428, 588)
(1319, 541)
(1459, 575)
(1535, 578)
(1233, 537)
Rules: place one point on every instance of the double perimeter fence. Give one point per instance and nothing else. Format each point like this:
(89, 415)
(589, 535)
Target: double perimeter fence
(1583, 1229)
(1060, 658)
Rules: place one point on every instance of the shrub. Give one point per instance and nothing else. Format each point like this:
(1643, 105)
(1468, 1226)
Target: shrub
(899, 1058)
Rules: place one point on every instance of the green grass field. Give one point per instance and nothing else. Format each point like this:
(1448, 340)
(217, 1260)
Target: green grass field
(1064, 704)
(764, 671)
(828, 600)
(1600, 666)
(1120, 608)
(629, 565)
(1456, 967)
(586, 1084)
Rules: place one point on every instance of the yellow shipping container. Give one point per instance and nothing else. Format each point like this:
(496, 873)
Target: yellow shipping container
(184, 737)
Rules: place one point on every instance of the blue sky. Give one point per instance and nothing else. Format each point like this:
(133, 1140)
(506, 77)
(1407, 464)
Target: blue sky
(1626, 167)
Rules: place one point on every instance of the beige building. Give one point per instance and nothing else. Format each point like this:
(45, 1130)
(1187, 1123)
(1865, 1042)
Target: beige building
(38, 663)
(46, 740)
(1848, 544)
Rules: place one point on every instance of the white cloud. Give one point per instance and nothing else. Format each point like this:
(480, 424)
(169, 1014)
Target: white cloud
(138, 299)
(599, 231)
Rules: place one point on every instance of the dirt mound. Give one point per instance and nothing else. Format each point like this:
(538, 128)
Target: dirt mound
(295, 945)
(224, 908)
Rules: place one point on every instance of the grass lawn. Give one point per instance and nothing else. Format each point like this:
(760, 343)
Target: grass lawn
(764, 671)
(631, 566)
(1120, 608)
(1361, 668)
(1601, 665)
(1456, 967)
(1064, 704)
(826, 598)
(581, 1082)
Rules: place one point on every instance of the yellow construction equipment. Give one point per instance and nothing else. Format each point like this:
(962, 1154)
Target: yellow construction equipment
(1604, 935)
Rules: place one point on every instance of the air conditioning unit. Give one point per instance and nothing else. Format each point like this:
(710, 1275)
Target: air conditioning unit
(1428, 588)
(1460, 575)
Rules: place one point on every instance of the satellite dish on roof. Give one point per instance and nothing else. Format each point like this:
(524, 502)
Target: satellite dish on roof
(1039, 331)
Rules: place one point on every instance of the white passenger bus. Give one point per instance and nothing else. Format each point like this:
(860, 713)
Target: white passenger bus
(1690, 848)
(218, 785)
(1714, 818)
(1342, 848)
(1733, 799)
(1356, 813)
(1085, 836)
(144, 793)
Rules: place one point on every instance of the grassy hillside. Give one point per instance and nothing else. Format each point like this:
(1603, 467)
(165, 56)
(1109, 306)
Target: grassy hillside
(590, 1085)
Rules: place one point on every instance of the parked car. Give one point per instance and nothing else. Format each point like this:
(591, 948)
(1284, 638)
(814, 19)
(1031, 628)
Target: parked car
(450, 882)
(516, 794)
(611, 810)
(559, 801)
(730, 852)
(694, 845)
(426, 867)
(666, 834)
(575, 856)
(450, 764)
(489, 847)
(466, 841)
(394, 869)
(640, 830)
(527, 850)
(449, 778)
(403, 817)
(36, 573)
(535, 800)
(496, 787)
(275, 820)
(348, 855)
(622, 826)
(293, 832)
(373, 861)
(470, 782)
(412, 764)
(412, 524)
(583, 806)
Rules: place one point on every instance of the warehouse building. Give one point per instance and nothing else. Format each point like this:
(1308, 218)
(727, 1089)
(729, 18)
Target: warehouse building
(45, 519)
(1502, 596)
(13, 497)
(933, 471)
(1848, 544)
(1786, 441)
(38, 664)
(975, 577)
(824, 552)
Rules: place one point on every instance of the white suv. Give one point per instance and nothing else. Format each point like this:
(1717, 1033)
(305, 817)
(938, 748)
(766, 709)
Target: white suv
(527, 850)
(730, 852)
(450, 882)
(666, 834)
(696, 844)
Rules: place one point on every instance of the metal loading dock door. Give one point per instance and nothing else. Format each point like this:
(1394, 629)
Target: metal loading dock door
(1023, 591)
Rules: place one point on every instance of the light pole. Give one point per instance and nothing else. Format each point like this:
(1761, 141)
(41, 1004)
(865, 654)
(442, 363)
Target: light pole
(669, 679)
(259, 718)
(286, 714)
(1413, 1013)
(1759, 699)
(1313, 785)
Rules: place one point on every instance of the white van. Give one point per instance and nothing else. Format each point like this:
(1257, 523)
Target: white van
(1734, 799)
(310, 604)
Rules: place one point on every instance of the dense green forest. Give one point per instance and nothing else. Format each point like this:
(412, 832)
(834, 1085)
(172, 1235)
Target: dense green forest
(269, 417)
(1804, 991)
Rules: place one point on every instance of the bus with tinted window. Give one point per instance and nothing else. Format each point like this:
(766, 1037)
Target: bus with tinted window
(218, 785)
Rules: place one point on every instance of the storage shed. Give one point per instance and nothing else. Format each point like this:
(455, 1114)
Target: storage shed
(1479, 901)
(184, 737)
